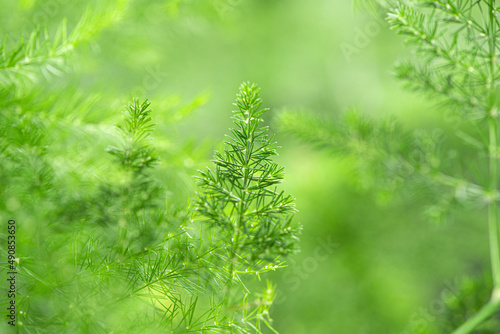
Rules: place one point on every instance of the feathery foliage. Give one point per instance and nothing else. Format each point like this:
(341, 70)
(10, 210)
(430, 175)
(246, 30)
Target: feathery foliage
(455, 44)
(134, 265)
(39, 53)
(47, 56)
(134, 152)
(101, 248)
(240, 199)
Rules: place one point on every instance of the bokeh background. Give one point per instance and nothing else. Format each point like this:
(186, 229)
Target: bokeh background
(366, 266)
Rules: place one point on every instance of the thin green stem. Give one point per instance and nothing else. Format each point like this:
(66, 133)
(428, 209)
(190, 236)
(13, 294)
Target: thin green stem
(494, 304)
(493, 151)
(484, 313)
(493, 206)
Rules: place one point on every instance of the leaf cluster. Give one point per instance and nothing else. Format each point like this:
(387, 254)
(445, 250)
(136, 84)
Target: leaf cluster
(388, 159)
(240, 198)
(454, 58)
(135, 152)
(102, 250)
(41, 54)
(455, 61)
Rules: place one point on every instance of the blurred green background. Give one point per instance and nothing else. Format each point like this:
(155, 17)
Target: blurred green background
(365, 266)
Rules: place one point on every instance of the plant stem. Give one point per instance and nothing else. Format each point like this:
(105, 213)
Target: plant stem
(493, 151)
(493, 205)
(484, 313)
(494, 304)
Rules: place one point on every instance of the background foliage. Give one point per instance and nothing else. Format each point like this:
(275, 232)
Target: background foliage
(370, 262)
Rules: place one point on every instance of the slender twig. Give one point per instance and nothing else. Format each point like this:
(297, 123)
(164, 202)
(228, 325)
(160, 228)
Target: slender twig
(494, 304)
(493, 206)
(493, 150)
(472, 188)
(477, 319)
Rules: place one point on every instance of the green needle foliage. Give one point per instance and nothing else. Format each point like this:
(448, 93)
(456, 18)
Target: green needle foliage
(134, 152)
(100, 249)
(41, 54)
(21, 63)
(455, 62)
(389, 159)
(240, 198)
(123, 261)
(455, 42)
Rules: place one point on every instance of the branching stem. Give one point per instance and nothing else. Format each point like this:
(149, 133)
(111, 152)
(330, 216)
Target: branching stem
(494, 304)
(492, 148)
(493, 151)
(477, 319)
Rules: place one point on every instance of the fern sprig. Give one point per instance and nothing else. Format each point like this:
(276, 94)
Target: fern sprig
(38, 53)
(240, 198)
(135, 152)
(452, 46)
(455, 61)
(42, 54)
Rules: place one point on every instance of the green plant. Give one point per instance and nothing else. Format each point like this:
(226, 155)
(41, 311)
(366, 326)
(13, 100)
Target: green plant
(249, 220)
(455, 62)
(240, 200)
(106, 241)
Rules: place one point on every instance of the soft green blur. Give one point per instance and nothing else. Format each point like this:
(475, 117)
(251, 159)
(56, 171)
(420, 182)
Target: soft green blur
(365, 266)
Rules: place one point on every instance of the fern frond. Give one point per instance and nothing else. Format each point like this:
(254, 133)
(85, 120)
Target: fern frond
(135, 152)
(43, 55)
(39, 54)
(389, 158)
(452, 50)
(240, 199)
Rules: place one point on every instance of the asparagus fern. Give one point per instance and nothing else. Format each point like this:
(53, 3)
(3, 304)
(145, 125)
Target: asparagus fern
(240, 199)
(121, 259)
(455, 62)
